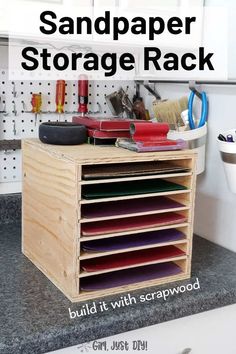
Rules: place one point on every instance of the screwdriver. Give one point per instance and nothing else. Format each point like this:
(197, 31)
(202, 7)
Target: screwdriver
(36, 102)
(83, 94)
(60, 96)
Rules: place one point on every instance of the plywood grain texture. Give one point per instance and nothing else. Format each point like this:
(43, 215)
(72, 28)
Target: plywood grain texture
(50, 227)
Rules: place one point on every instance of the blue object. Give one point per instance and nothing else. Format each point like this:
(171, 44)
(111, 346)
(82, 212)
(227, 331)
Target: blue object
(230, 138)
(204, 112)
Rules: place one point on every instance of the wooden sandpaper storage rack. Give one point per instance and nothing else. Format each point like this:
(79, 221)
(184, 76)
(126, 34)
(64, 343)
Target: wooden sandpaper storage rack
(103, 220)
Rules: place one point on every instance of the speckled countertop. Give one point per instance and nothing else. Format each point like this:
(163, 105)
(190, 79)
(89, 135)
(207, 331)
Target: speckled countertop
(34, 314)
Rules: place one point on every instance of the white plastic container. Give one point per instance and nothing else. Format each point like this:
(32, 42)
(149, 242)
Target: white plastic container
(228, 156)
(196, 139)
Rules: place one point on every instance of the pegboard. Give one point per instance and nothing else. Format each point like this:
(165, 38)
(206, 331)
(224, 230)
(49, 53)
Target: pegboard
(17, 122)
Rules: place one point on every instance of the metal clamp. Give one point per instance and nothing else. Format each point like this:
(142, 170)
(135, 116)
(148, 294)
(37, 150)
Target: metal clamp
(147, 87)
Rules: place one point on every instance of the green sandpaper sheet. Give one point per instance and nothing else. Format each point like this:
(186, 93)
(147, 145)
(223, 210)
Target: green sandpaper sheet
(109, 190)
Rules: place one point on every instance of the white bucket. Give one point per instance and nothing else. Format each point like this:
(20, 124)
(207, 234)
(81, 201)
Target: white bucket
(228, 156)
(196, 139)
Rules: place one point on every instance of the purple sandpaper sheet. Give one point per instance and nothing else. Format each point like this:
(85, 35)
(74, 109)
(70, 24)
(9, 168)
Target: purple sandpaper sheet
(123, 207)
(141, 239)
(129, 276)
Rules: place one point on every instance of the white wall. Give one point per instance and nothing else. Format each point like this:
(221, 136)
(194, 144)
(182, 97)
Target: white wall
(215, 211)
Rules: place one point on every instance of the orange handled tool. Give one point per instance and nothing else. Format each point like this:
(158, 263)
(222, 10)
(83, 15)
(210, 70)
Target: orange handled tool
(60, 96)
(36, 102)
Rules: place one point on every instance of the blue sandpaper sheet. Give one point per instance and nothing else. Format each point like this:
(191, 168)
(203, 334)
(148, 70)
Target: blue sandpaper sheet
(138, 240)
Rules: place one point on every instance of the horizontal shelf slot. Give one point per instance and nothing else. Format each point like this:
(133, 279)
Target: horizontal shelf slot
(134, 169)
(103, 200)
(126, 179)
(84, 274)
(122, 209)
(117, 189)
(88, 255)
(131, 259)
(124, 244)
(97, 228)
(133, 215)
(133, 232)
(141, 284)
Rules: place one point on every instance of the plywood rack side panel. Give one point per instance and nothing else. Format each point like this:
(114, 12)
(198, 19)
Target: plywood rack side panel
(50, 216)
(52, 202)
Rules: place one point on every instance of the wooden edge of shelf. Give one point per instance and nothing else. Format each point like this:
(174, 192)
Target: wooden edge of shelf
(84, 274)
(135, 196)
(99, 237)
(86, 255)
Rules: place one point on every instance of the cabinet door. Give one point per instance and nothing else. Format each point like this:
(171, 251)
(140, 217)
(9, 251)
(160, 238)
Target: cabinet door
(156, 3)
(105, 3)
(211, 332)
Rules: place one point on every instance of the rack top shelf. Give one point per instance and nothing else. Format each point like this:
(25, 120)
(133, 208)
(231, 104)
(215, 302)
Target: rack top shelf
(89, 154)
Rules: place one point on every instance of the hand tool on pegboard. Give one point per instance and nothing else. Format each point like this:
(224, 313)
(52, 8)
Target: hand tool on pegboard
(60, 97)
(36, 102)
(83, 95)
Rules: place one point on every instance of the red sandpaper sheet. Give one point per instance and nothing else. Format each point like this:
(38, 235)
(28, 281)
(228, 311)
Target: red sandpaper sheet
(106, 124)
(129, 276)
(123, 207)
(99, 134)
(133, 223)
(130, 258)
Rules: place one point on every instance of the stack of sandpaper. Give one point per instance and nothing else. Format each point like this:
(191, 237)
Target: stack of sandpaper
(105, 130)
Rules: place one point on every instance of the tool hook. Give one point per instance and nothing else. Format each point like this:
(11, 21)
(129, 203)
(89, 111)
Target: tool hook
(194, 88)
